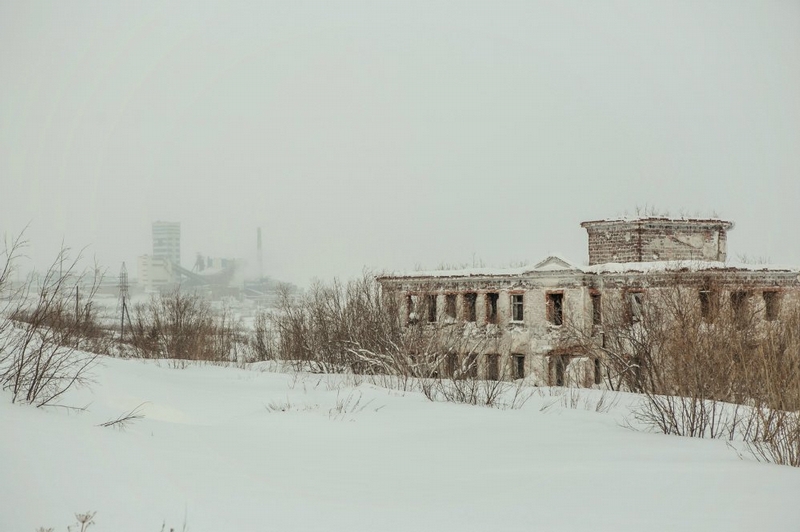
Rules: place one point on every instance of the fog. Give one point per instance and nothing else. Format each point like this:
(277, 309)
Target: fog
(391, 136)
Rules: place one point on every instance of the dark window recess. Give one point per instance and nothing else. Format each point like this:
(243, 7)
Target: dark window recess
(430, 303)
(739, 305)
(635, 306)
(560, 369)
(411, 309)
(471, 366)
(598, 373)
(493, 367)
(469, 306)
(771, 305)
(555, 308)
(519, 366)
(597, 312)
(491, 307)
(517, 307)
(705, 304)
(450, 305)
(452, 364)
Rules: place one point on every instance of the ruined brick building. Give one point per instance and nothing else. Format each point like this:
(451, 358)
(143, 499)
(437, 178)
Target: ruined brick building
(523, 313)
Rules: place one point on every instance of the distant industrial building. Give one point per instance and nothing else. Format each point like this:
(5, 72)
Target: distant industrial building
(161, 269)
(167, 241)
(155, 273)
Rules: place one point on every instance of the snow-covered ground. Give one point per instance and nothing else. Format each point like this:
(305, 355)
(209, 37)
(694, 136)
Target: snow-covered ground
(224, 449)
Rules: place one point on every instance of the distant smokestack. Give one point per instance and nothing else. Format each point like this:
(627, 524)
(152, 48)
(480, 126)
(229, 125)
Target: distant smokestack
(260, 255)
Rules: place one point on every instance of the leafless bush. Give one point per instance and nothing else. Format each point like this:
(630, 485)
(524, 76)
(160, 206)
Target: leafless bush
(779, 441)
(262, 344)
(356, 329)
(706, 358)
(10, 295)
(181, 326)
(346, 328)
(42, 343)
(464, 386)
(229, 337)
(472, 391)
(694, 416)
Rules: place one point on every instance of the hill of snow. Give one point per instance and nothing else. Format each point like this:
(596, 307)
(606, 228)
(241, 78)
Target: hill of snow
(224, 449)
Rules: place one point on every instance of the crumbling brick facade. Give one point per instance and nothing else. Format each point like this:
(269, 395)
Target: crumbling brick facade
(656, 239)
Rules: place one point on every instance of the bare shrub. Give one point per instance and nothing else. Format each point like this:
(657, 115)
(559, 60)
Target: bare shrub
(182, 327)
(10, 296)
(228, 337)
(357, 329)
(463, 386)
(707, 360)
(345, 328)
(779, 441)
(262, 345)
(42, 342)
(472, 391)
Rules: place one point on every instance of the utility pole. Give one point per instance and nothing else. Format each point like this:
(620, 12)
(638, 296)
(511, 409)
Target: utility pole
(123, 297)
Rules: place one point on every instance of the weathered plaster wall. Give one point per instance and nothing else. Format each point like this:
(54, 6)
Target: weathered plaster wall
(541, 341)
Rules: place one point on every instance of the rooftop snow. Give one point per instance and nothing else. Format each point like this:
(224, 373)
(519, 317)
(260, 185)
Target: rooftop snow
(660, 219)
(552, 262)
(556, 263)
(682, 265)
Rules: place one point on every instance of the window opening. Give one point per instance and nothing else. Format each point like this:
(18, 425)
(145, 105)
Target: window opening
(430, 303)
(493, 367)
(555, 308)
(739, 305)
(519, 366)
(450, 305)
(411, 309)
(491, 307)
(705, 304)
(560, 369)
(635, 306)
(517, 307)
(597, 315)
(469, 306)
(771, 304)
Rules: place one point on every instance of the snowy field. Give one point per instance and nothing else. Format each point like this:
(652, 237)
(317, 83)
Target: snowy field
(224, 449)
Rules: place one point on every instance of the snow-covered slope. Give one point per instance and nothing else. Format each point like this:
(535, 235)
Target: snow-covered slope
(223, 449)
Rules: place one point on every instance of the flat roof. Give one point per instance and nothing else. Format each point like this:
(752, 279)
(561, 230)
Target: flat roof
(639, 220)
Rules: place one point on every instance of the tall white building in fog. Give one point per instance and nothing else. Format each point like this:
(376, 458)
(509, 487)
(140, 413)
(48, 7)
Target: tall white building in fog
(167, 241)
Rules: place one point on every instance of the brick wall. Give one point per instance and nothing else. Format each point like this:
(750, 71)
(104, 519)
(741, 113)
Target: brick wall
(649, 240)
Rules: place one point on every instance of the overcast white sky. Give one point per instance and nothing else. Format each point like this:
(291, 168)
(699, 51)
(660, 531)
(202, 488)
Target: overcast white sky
(390, 135)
